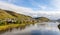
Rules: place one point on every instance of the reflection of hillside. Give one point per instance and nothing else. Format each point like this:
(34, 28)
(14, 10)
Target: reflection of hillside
(10, 20)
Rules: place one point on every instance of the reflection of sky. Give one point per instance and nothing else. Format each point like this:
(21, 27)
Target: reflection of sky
(50, 32)
(47, 29)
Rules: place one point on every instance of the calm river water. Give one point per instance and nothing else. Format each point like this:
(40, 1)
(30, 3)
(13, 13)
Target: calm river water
(45, 28)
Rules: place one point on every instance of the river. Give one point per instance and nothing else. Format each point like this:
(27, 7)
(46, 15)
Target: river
(45, 28)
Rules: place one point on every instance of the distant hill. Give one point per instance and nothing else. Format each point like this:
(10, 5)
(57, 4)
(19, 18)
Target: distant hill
(58, 20)
(43, 19)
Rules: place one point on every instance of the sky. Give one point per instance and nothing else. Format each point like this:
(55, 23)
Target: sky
(34, 8)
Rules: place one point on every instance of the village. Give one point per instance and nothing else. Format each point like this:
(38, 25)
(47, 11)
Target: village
(7, 21)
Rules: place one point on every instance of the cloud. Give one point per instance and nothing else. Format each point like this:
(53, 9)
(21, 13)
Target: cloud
(40, 4)
(56, 3)
(52, 5)
(18, 9)
(49, 14)
(8, 0)
(30, 11)
(36, 4)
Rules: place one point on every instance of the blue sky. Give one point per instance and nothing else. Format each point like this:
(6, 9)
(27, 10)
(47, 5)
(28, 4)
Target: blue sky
(34, 4)
(34, 8)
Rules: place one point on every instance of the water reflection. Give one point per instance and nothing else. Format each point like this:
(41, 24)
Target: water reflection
(49, 32)
(45, 28)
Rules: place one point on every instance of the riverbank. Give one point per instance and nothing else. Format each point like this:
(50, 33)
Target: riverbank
(10, 26)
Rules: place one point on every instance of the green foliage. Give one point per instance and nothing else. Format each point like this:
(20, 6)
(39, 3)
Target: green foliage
(20, 18)
(5, 14)
(43, 19)
(2, 23)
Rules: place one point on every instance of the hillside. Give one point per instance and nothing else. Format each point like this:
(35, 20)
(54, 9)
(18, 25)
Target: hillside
(10, 20)
(10, 14)
(4, 14)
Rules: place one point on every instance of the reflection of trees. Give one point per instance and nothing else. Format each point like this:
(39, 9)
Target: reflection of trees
(10, 29)
(22, 24)
(22, 27)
